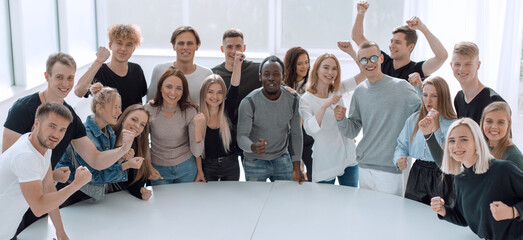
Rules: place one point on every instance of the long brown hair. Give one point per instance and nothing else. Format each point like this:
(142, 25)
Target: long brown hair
(444, 105)
(184, 102)
(140, 143)
(506, 141)
(289, 61)
(313, 84)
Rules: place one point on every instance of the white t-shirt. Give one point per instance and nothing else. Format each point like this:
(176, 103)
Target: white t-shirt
(331, 152)
(20, 163)
(194, 80)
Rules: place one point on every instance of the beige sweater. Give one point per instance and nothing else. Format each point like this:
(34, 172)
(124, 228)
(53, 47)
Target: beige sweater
(172, 139)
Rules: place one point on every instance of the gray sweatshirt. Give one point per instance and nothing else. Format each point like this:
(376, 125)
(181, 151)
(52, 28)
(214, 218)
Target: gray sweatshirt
(277, 122)
(381, 108)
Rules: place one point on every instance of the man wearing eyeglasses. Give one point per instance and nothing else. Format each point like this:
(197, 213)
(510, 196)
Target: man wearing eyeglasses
(403, 40)
(380, 106)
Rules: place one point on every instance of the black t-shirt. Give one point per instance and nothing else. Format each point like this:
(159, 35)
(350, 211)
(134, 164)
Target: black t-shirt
(132, 87)
(474, 109)
(249, 79)
(387, 67)
(21, 119)
(213, 140)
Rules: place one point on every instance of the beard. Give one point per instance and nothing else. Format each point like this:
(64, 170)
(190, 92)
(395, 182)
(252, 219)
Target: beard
(43, 143)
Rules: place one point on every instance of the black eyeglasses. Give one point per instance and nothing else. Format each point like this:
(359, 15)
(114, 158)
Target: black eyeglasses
(365, 61)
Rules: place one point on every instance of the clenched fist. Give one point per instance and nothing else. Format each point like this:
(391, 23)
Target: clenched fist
(82, 176)
(339, 112)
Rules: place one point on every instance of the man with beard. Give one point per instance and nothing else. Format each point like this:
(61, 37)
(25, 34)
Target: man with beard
(59, 74)
(26, 179)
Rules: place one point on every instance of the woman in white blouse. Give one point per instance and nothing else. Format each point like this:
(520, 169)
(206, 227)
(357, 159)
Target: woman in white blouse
(334, 155)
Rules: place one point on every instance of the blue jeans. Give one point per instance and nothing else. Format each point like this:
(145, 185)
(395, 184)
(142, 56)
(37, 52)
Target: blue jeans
(276, 169)
(181, 173)
(349, 177)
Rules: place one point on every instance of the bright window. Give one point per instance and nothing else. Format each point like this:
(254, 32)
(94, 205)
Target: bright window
(6, 67)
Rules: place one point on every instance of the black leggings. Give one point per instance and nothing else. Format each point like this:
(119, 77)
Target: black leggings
(427, 181)
(306, 154)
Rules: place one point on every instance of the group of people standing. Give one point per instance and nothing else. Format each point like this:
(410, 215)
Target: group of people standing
(274, 115)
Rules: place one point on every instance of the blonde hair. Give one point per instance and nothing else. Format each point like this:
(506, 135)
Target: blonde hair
(102, 95)
(451, 166)
(506, 140)
(60, 57)
(313, 83)
(444, 104)
(225, 132)
(468, 49)
(129, 32)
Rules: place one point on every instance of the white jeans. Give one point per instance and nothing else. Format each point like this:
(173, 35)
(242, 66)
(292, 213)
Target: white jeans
(381, 181)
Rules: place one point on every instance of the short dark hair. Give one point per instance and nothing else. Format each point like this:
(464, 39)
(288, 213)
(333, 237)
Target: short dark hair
(231, 33)
(410, 34)
(272, 59)
(183, 29)
(43, 111)
(63, 58)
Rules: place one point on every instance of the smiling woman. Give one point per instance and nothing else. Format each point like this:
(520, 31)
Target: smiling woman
(175, 151)
(106, 108)
(495, 211)
(496, 124)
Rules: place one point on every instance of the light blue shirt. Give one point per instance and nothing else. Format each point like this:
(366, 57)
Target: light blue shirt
(417, 148)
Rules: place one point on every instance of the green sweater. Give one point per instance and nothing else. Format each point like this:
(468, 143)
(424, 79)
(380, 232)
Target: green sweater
(513, 154)
(474, 192)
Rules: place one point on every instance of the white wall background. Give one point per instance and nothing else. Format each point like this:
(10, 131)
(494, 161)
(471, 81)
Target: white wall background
(33, 29)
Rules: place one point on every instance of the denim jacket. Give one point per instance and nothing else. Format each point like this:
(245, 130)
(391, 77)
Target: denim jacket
(102, 142)
(418, 148)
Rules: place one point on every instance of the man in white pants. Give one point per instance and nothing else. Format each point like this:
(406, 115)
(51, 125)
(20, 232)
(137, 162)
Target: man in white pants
(380, 106)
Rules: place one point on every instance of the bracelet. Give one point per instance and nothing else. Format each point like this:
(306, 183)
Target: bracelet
(513, 213)
(432, 133)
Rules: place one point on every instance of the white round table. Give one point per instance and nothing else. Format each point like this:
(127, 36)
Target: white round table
(251, 210)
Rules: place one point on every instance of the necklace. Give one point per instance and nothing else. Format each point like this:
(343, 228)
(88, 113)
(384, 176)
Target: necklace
(43, 96)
